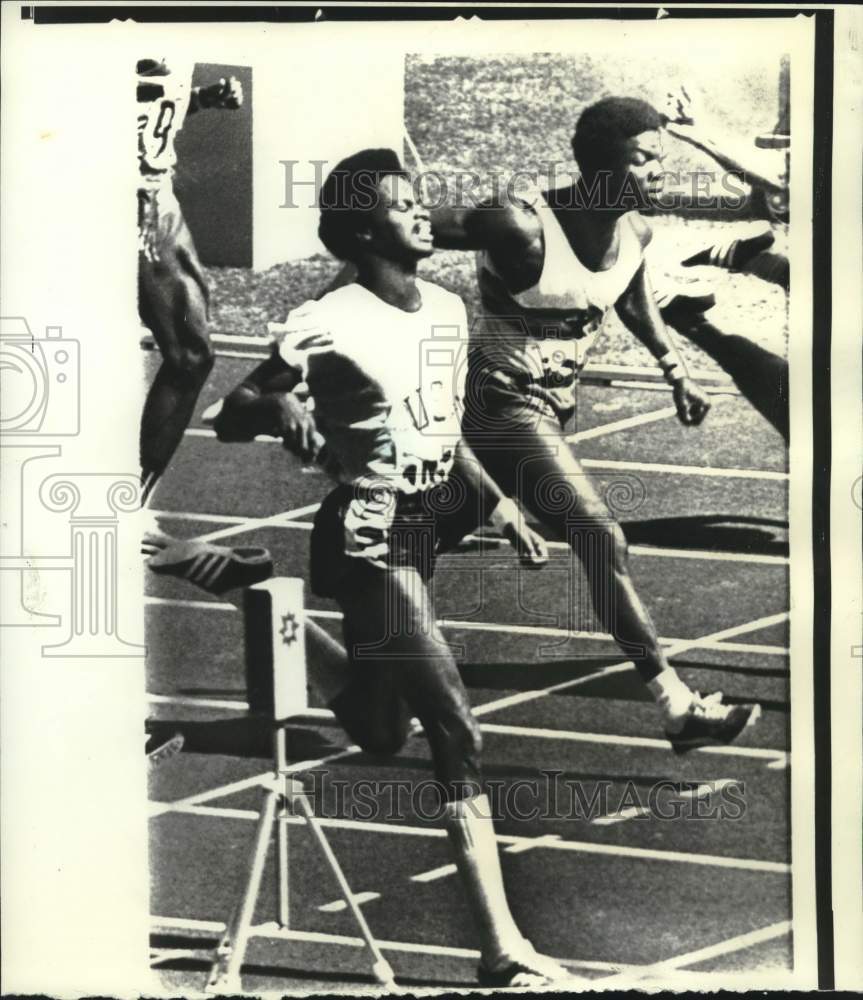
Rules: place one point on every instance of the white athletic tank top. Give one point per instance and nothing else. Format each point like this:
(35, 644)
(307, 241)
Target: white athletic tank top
(531, 322)
(163, 100)
(387, 385)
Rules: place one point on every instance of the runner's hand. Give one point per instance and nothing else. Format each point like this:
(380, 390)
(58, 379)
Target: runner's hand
(531, 547)
(293, 423)
(691, 401)
(227, 93)
(679, 107)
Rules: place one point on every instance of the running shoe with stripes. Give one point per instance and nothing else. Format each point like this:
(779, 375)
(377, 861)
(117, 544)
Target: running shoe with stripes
(711, 723)
(164, 751)
(213, 568)
(527, 970)
(734, 253)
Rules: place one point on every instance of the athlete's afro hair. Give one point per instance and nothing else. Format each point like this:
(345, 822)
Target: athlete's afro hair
(602, 130)
(349, 194)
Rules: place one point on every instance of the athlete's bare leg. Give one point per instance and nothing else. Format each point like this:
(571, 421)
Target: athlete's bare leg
(173, 305)
(532, 460)
(526, 452)
(397, 664)
(400, 665)
(761, 375)
(772, 267)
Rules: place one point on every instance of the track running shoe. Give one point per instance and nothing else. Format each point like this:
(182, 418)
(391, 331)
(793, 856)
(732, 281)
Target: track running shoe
(711, 723)
(164, 751)
(213, 568)
(734, 254)
(528, 970)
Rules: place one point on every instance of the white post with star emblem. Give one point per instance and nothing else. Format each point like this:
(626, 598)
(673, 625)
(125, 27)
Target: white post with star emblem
(276, 648)
(276, 677)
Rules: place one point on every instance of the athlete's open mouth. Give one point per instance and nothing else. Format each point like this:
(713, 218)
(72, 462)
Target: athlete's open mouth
(423, 232)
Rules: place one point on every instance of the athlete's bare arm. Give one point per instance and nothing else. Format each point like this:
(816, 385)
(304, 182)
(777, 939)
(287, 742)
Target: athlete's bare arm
(759, 167)
(227, 93)
(638, 309)
(264, 403)
(508, 230)
(498, 509)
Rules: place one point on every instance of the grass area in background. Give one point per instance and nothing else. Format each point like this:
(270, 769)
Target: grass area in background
(506, 113)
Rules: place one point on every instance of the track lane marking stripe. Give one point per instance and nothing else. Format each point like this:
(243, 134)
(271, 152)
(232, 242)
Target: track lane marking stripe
(531, 843)
(457, 624)
(674, 650)
(717, 950)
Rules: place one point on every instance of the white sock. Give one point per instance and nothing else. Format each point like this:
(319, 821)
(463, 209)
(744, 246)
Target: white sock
(672, 695)
(471, 833)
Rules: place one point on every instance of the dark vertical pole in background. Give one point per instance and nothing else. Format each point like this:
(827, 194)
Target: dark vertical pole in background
(821, 317)
(214, 173)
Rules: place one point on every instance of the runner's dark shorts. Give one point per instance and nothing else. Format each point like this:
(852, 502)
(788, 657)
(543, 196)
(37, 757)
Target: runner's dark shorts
(424, 525)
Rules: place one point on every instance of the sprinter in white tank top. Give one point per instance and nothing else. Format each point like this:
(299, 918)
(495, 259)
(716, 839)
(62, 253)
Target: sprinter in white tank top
(550, 268)
(397, 458)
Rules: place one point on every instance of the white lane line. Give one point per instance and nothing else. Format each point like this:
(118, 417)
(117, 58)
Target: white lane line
(652, 373)
(738, 943)
(241, 525)
(674, 650)
(434, 874)
(747, 647)
(701, 791)
(195, 701)
(494, 543)
(227, 339)
(532, 844)
(594, 369)
(529, 843)
(706, 554)
(220, 791)
(714, 390)
(215, 928)
(172, 602)
(207, 432)
(622, 816)
(272, 930)
(717, 645)
(621, 425)
(712, 471)
(444, 871)
(525, 696)
(521, 697)
(159, 808)
(338, 905)
(159, 955)
(777, 759)
(276, 520)
(190, 515)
